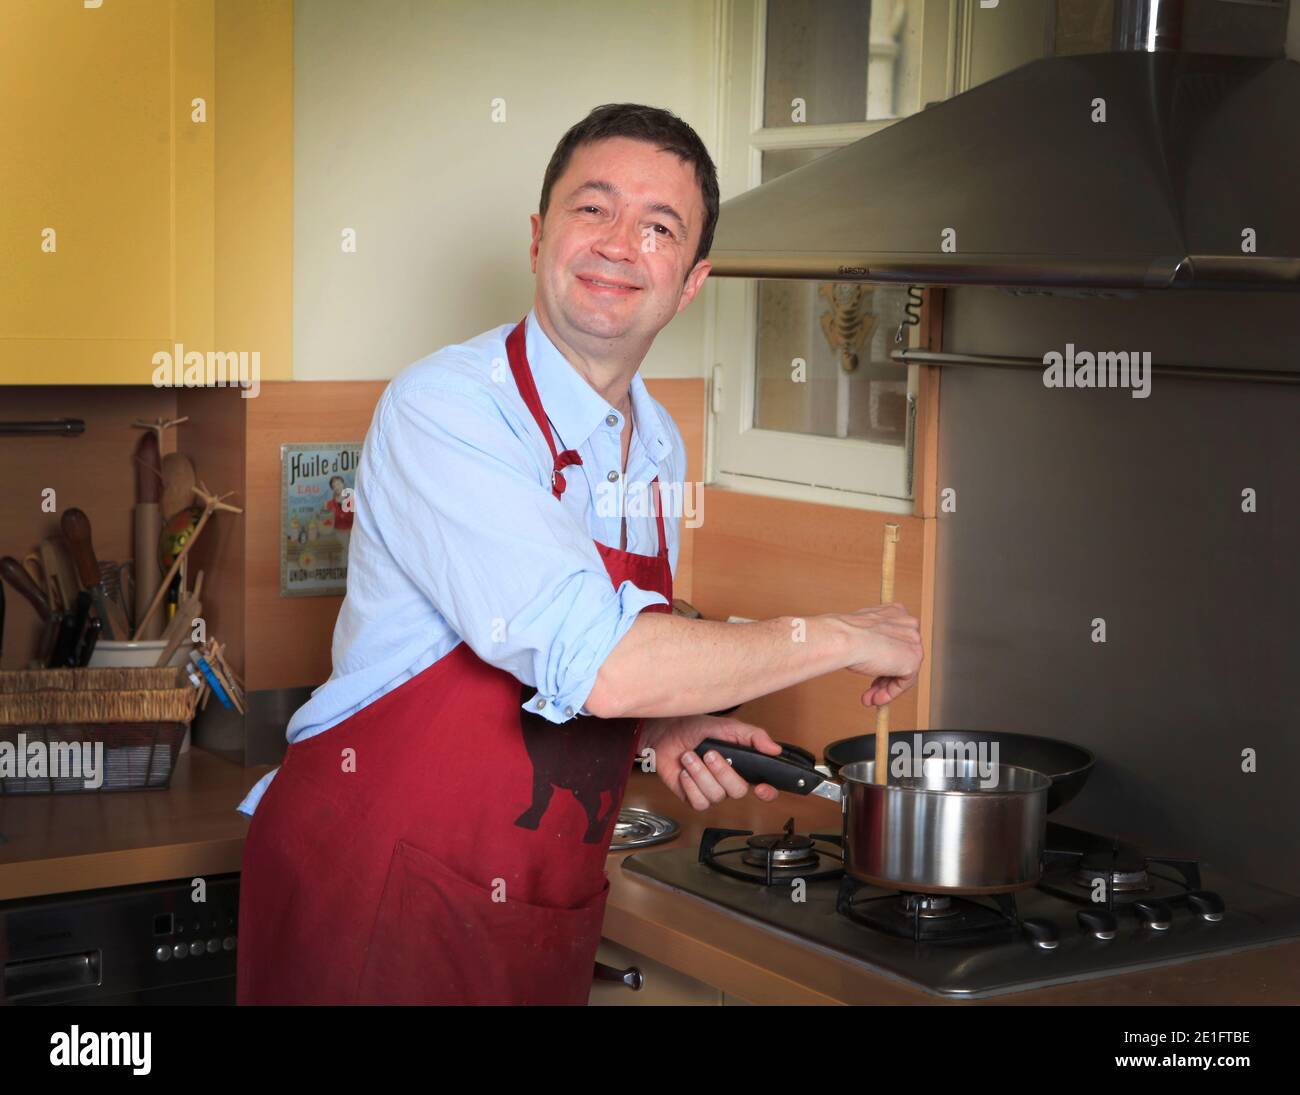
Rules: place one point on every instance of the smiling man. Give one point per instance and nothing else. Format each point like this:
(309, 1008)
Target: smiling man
(439, 828)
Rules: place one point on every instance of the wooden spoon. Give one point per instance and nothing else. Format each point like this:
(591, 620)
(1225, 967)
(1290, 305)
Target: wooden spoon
(881, 771)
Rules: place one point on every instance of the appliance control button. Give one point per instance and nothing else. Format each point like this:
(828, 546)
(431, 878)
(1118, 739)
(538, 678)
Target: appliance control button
(228, 944)
(1208, 905)
(1154, 914)
(163, 952)
(1099, 922)
(196, 948)
(180, 950)
(1043, 933)
(213, 945)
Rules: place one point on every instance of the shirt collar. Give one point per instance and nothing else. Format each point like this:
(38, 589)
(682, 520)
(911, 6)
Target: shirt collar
(575, 408)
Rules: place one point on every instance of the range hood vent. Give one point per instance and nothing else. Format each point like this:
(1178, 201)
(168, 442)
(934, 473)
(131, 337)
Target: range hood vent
(1190, 182)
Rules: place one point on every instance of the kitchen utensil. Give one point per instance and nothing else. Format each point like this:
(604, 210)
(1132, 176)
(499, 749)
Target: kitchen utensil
(76, 529)
(89, 638)
(71, 628)
(942, 831)
(178, 629)
(36, 571)
(211, 503)
(67, 427)
(60, 574)
(115, 578)
(178, 483)
(148, 518)
(1067, 766)
(175, 534)
(881, 767)
(13, 572)
(20, 578)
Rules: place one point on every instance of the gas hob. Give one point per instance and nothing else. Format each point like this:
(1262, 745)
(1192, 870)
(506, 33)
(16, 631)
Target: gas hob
(1102, 907)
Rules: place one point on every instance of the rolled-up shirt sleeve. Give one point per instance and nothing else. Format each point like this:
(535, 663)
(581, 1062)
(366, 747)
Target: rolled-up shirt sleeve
(460, 502)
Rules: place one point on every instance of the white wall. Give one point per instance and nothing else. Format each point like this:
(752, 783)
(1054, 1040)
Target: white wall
(393, 137)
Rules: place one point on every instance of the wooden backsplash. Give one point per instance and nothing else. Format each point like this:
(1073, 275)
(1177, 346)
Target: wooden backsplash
(761, 557)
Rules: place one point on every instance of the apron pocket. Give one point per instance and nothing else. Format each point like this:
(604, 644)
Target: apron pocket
(441, 939)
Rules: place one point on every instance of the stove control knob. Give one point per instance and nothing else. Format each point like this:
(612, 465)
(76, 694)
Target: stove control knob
(1043, 933)
(1100, 922)
(1154, 914)
(1207, 904)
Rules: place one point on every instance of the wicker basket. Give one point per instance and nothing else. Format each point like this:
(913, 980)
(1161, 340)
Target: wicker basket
(138, 715)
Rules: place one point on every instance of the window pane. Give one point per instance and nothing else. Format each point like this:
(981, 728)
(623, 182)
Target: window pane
(848, 60)
(828, 327)
(823, 363)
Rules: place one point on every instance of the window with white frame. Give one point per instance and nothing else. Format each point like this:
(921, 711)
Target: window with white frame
(806, 401)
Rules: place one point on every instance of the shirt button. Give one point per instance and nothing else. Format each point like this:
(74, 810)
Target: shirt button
(568, 712)
(611, 420)
(541, 702)
(612, 477)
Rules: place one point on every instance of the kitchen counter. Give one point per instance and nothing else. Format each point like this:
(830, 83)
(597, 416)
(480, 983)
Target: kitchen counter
(62, 843)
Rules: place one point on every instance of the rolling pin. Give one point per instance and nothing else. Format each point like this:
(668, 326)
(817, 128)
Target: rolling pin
(148, 524)
(881, 770)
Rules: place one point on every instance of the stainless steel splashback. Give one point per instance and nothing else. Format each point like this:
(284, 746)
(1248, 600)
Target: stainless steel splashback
(1075, 505)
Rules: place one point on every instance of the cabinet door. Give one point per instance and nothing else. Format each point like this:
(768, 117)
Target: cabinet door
(662, 984)
(106, 187)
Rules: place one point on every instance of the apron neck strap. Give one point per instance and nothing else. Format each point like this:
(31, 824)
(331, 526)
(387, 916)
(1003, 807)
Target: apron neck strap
(515, 350)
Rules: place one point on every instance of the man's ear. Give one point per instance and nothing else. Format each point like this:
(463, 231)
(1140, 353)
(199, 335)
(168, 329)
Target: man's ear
(535, 224)
(694, 279)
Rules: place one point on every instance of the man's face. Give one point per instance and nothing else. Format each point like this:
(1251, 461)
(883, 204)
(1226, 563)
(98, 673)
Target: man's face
(628, 215)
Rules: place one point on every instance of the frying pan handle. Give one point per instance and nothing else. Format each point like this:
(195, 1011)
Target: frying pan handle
(782, 773)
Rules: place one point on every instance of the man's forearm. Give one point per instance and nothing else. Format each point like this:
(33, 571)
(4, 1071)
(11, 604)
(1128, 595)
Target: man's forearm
(671, 665)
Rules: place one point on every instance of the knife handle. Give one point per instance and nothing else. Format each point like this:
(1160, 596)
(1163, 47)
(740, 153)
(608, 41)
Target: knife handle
(76, 530)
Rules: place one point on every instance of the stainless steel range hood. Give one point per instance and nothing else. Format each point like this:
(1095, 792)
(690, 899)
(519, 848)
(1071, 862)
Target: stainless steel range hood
(1199, 151)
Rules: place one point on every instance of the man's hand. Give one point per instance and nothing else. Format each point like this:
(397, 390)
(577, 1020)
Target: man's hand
(704, 782)
(893, 654)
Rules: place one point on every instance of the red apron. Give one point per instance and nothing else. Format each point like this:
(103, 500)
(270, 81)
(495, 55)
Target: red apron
(442, 845)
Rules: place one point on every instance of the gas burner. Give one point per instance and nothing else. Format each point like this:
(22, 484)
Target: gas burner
(928, 906)
(769, 858)
(1125, 869)
(784, 851)
(923, 917)
(942, 918)
(1149, 887)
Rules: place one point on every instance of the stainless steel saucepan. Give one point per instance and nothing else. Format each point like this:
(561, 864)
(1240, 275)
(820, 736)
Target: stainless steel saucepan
(946, 829)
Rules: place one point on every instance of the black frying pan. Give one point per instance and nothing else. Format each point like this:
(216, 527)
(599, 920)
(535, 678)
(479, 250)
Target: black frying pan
(1066, 765)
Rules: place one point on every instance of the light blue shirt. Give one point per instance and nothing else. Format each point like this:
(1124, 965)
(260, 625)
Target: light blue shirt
(457, 536)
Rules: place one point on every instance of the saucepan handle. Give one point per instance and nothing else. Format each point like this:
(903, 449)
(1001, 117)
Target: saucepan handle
(786, 772)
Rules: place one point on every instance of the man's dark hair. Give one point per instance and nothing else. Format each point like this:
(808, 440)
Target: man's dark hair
(642, 123)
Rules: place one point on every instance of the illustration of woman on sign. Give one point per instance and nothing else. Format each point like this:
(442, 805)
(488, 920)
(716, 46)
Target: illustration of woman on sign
(341, 507)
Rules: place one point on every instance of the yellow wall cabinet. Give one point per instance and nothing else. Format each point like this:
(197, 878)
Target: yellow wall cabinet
(116, 203)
